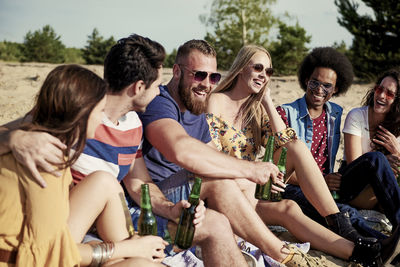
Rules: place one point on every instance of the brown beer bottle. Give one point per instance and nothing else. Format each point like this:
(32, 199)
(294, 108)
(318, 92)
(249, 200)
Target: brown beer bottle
(185, 231)
(263, 191)
(147, 224)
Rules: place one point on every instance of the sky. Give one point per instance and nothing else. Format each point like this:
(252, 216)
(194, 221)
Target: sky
(170, 22)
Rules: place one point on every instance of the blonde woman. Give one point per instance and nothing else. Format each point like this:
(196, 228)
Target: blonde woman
(241, 116)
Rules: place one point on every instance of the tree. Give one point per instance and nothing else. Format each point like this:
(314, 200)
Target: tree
(96, 49)
(236, 23)
(10, 51)
(375, 46)
(290, 48)
(43, 46)
(74, 55)
(170, 59)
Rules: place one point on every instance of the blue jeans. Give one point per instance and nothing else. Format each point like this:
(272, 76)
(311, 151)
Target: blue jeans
(369, 169)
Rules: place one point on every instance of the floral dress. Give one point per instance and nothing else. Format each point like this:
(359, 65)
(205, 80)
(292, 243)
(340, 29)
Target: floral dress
(240, 143)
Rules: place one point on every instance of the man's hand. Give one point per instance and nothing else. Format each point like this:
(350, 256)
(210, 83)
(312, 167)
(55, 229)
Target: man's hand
(37, 150)
(199, 216)
(261, 172)
(333, 181)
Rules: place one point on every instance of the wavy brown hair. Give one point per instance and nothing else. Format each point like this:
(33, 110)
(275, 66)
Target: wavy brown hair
(392, 118)
(63, 106)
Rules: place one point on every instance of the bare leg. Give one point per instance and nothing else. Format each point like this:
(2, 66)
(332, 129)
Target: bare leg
(289, 215)
(137, 262)
(310, 178)
(217, 242)
(225, 196)
(97, 197)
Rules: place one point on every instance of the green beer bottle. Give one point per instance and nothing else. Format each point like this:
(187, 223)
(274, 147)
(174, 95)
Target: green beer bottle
(185, 231)
(263, 191)
(147, 224)
(282, 168)
(335, 195)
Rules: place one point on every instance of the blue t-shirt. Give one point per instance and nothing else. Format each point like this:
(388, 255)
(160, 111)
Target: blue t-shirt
(164, 106)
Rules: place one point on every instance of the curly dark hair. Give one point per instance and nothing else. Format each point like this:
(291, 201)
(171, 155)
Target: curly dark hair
(327, 57)
(133, 59)
(392, 118)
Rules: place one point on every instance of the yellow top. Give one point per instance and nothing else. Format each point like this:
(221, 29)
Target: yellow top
(240, 143)
(33, 220)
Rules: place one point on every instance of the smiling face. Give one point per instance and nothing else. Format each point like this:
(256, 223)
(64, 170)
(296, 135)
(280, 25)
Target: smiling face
(194, 94)
(252, 77)
(382, 102)
(317, 97)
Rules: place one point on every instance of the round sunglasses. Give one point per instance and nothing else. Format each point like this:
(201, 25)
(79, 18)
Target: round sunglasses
(199, 76)
(388, 94)
(260, 67)
(315, 84)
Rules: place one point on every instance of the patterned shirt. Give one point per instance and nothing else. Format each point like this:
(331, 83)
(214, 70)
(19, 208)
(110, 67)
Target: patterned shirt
(240, 143)
(319, 146)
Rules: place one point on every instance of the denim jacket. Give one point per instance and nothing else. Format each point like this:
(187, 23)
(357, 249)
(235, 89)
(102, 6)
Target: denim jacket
(300, 120)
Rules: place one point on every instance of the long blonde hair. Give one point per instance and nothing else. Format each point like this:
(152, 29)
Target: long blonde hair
(251, 111)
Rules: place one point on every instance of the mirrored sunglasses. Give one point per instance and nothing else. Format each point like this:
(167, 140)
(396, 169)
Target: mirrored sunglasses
(388, 94)
(260, 67)
(199, 76)
(315, 84)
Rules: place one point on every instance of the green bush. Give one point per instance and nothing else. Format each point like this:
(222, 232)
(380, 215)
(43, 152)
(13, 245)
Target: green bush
(10, 51)
(43, 46)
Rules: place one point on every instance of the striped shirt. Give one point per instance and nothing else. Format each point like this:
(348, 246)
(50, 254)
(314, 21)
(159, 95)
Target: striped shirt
(113, 149)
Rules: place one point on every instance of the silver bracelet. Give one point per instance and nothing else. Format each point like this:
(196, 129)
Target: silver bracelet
(97, 255)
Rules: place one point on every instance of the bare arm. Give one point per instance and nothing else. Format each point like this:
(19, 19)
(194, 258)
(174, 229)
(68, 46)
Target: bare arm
(275, 119)
(32, 149)
(171, 139)
(352, 147)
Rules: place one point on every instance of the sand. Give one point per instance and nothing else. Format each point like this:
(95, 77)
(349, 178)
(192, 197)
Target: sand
(20, 82)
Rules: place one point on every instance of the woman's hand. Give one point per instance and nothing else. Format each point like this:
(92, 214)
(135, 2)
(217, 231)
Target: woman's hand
(333, 181)
(387, 140)
(149, 247)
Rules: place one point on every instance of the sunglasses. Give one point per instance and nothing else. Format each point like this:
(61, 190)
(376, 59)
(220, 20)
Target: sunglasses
(260, 67)
(379, 89)
(199, 76)
(315, 84)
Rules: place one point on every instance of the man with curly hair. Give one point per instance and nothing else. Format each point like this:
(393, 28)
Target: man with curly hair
(323, 73)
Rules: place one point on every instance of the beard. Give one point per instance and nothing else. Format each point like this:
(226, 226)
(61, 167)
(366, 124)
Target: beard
(196, 107)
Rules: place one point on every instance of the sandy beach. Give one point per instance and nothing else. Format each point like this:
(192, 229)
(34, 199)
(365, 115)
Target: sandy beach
(20, 82)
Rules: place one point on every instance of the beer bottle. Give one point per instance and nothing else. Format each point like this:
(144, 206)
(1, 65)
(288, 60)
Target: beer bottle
(282, 168)
(335, 195)
(147, 224)
(263, 191)
(185, 231)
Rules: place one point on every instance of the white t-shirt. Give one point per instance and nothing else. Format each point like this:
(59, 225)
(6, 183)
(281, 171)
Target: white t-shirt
(356, 123)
